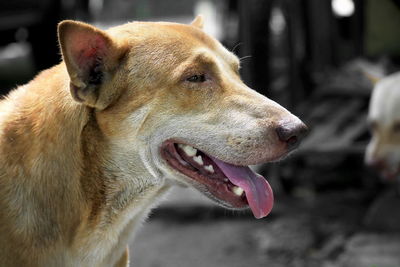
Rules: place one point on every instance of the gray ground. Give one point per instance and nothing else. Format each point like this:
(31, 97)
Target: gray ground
(327, 231)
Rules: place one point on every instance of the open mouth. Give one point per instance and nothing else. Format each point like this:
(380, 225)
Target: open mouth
(231, 185)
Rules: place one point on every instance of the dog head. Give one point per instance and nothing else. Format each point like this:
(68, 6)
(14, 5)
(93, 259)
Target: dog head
(383, 151)
(173, 95)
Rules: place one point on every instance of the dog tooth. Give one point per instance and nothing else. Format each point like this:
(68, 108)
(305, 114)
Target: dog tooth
(226, 180)
(237, 190)
(209, 168)
(189, 150)
(198, 160)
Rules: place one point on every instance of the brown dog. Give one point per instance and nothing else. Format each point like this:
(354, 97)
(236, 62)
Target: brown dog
(89, 146)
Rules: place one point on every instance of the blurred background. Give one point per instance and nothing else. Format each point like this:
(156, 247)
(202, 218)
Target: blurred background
(318, 58)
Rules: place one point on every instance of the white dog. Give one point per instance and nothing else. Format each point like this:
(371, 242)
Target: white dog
(383, 151)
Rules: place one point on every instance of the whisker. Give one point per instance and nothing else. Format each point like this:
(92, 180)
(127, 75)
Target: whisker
(245, 57)
(236, 46)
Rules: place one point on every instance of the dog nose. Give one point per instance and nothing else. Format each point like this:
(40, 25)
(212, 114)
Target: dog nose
(291, 133)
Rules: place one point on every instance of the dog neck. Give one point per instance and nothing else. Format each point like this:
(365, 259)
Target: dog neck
(69, 153)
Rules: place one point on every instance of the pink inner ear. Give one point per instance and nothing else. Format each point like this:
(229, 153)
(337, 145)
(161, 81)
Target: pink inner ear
(86, 48)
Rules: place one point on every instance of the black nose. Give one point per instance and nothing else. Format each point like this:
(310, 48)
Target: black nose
(291, 133)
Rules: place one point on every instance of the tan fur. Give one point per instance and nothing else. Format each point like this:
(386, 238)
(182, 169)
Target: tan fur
(80, 166)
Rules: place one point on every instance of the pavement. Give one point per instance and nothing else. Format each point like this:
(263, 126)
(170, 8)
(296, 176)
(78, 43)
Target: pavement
(326, 230)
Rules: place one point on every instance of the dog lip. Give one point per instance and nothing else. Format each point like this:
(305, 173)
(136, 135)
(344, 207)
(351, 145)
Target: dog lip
(230, 161)
(237, 186)
(216, 186)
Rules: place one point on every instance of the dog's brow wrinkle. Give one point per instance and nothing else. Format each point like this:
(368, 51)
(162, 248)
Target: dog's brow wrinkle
(201, 54)
(232, 59)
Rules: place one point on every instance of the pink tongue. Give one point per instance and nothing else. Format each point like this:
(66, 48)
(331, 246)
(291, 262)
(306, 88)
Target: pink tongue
(258, 191)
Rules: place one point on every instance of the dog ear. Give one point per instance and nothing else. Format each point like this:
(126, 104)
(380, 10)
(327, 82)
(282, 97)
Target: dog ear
(88, 53)
(198, 22)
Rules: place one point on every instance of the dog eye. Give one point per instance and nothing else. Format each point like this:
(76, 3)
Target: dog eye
(197, 78)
